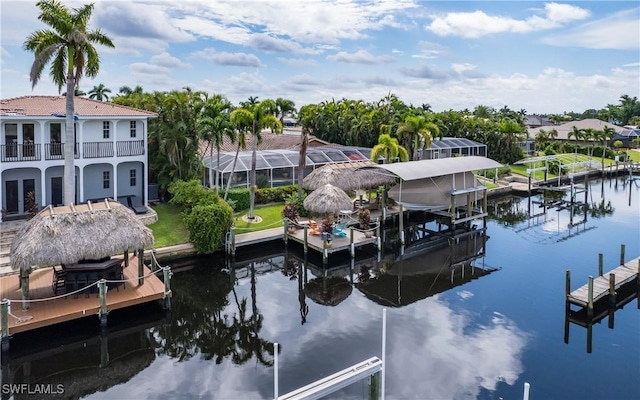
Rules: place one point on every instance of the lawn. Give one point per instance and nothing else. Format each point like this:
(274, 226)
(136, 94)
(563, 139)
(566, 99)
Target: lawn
(271, 218)
(169, 230)
(634, 155)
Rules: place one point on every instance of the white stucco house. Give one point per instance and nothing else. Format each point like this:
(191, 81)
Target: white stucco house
(110, 156)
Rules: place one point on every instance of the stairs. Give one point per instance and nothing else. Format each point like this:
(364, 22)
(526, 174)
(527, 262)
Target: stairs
(7, 231)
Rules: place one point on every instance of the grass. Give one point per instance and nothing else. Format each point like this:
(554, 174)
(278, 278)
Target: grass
(634, 155)
(271, 218)
(169, 230)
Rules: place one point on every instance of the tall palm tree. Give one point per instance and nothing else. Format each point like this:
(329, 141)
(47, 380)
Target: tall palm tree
(76, 92)
(389, 148)
(126, 90)
(306, 118)
(416, 133)
(284, 107)
(213, 125)
(254, 120)
(99, 93)
(69, 46)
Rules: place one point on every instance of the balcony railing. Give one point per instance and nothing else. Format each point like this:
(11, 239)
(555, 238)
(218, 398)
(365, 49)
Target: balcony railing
(97, 149)
(20, 152)
(55, 151)
(130, 148)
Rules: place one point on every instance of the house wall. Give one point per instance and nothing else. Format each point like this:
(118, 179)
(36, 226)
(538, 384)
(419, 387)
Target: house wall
(124, 181)
(93, 181)
(21, 175)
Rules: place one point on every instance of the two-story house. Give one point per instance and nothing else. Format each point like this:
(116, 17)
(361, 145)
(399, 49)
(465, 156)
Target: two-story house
(110, 151)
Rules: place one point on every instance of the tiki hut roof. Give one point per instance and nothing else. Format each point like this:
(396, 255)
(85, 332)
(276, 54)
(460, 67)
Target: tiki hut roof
(347, 176)
(327, 199)
(66, 235)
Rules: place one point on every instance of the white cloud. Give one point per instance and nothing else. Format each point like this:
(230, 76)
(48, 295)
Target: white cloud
(3, 54)
(298, 62)
(229, 59)
(478, 23)
(168, 61)
(430, 50)
(359, 57)
(459, 68)
(635, 64)
(619, 31)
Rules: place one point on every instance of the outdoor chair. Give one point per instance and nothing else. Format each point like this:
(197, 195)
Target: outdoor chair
(339, 229)
(59, 280)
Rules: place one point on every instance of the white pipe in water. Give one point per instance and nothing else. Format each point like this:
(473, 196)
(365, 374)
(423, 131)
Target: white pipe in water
(275, 372)
(384, 350)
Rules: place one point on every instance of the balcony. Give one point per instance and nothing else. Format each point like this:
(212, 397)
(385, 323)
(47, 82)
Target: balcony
(55, 151)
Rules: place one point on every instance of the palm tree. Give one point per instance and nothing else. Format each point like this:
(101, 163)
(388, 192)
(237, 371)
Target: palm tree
(76, 92)
(577, 134)
(99, 93)
(284, 107)
(389, 148)
(254, 120)
(126, 90)
(69, 46)
(307, 121)
(213, 125)
(418, 130)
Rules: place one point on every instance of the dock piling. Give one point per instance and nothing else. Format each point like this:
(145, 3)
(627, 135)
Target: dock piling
(622, 248)
(590, 298)
(102, 293)
(600, 264)
(4, 324)
(140, 267)
(126, 258)
(305, 244)
(352, 245)
(233, 241)
(285, 224)
(167, 287)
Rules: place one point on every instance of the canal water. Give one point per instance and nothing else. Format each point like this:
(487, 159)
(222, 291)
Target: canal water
(479, 329)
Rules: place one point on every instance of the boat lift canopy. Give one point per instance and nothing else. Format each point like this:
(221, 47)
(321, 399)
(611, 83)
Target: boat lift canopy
(413, 170)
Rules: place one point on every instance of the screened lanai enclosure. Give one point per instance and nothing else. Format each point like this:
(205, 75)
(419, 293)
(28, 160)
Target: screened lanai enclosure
(276, 168)
(452, 147)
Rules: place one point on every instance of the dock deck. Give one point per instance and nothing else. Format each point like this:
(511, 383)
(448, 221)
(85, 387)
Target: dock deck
(338, 243)
(602, 284)
(62, 309)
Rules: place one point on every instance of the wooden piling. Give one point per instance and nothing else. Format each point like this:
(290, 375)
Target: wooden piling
(233, 241)
(567, 285)
(378, 236)
(126, 258)
(622, 248)
(102, 293)
(352, 245)
(612, 290)
(140, 267)
(600, 264)
(305, 244)
(285, 224)
(167, 288)
(4, 320)
(401, 223)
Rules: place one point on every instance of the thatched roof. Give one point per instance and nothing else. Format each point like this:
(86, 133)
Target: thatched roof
(66, 235)
(327, 199)
(330, 292)
(347, 176)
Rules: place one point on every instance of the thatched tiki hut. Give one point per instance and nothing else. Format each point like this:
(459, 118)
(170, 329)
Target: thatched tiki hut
(69, 234)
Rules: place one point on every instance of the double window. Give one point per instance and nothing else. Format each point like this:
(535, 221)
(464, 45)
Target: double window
(106, 180)
(132, 177)
(105, 130)
(132, 128)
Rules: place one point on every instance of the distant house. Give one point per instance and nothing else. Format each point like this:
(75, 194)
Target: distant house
(627, 137)
(564, 130)
(110, 151)
(536, 121)
(453, 147)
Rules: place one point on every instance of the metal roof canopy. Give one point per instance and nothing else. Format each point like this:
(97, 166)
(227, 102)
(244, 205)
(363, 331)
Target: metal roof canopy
(412, 170)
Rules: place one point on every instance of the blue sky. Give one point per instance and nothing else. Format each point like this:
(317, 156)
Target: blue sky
(544, 57)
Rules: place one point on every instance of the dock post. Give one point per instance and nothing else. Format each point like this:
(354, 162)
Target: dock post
(167, 287)
(325, 256)
(567, 285)
(526, 391)
(102, 293)
(600, 263)
(126, 258)
(233, 241)
(154, 260)
(612, 298)
(24, 288)
(622, 246)
(378, 237)
(590, 298)
(140, 267)
(374, 386)
(401, 222)
(4, 325)
(285, 223)
(305, 244)
(352, 245)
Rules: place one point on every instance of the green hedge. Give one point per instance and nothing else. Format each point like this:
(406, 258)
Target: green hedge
(241, 197)
(207, 225)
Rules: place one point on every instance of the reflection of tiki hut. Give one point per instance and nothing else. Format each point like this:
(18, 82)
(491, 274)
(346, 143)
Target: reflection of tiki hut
(329, 291)
(69, 234)
(347, 176)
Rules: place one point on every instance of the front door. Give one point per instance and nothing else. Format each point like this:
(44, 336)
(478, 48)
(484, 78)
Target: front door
(11, 189)
(56, 191)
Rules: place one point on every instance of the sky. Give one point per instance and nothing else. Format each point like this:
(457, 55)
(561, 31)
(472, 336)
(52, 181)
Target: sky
(543, 57)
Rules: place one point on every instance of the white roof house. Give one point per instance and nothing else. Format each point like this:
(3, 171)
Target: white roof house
(565, 129)
(110, 156)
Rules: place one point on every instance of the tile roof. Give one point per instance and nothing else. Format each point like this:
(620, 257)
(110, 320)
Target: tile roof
(39, 106)
(565, 129)
(270, 141)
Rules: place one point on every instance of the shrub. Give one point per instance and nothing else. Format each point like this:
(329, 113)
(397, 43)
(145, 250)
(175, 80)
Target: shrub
(617, 144)
(242, 198)
(290, 211)
(274, 195)
(187, 194)
(293, 198)
(364, 218)
(207, 225)
(549, 151)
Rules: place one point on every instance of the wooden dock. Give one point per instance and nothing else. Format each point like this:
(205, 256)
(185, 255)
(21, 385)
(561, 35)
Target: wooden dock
(603, 285)
(350, 242)
(68, 308)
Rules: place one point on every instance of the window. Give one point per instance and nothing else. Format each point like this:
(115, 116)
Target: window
(132, 177)
(55, 146)
(132, 126)
(106, 180)
(105, 129)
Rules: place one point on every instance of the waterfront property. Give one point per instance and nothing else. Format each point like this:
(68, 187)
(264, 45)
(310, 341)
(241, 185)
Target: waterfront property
(110, 152)
(64, 256)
